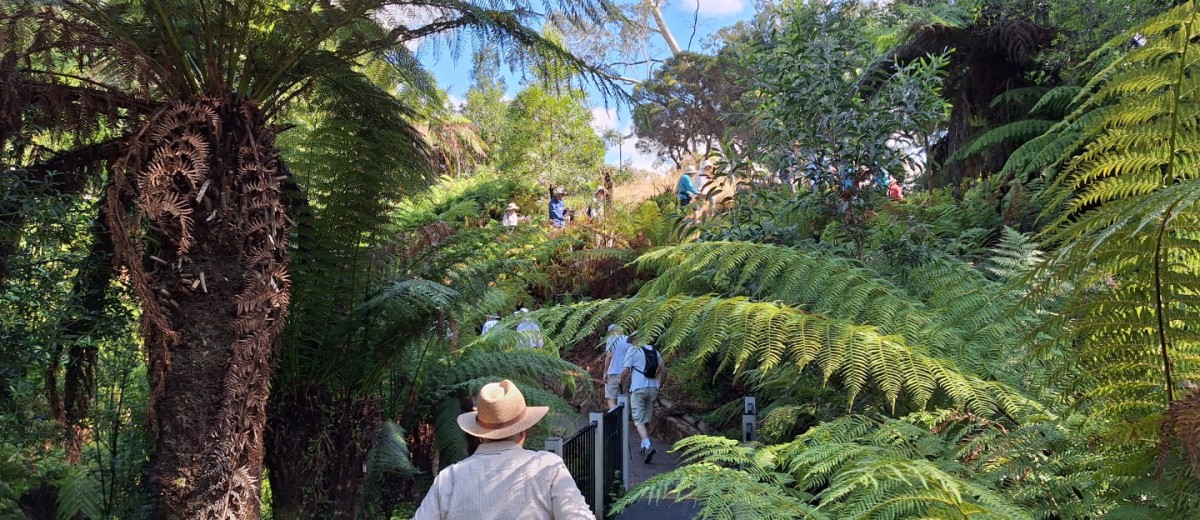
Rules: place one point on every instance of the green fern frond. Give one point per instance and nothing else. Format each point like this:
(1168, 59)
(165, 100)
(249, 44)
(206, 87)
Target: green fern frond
(723, 494)
(1021, 97)
(450, 440)
(1012, 133)
(79, 493)
(1056, 101)
(764, 337)
(1015, 255)
(390, 452)
(966, 318)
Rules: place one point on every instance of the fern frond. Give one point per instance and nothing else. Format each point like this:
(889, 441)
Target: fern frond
(1012, 133)
(766, 337)
(723, 494)
(79, 493)
(1013, 256)
(390, 452)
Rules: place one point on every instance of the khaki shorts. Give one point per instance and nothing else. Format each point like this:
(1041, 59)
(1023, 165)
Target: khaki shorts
(612, 386)
(642, 405)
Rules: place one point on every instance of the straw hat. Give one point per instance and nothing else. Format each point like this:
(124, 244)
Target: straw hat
(512, 206)
(501, 412)
(558, 191)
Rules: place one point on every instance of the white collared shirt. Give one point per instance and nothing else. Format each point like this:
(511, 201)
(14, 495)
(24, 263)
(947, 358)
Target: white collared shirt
(503, 481)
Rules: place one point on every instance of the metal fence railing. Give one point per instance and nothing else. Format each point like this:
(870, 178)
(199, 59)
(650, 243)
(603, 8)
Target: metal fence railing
(598, 456)
(616, 442)
(579, 453)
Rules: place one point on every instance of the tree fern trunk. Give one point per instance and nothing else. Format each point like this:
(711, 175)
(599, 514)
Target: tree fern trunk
(91, 286)
(213, 287)
(317, 446)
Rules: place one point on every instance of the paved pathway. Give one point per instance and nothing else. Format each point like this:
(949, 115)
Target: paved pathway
(639, 471)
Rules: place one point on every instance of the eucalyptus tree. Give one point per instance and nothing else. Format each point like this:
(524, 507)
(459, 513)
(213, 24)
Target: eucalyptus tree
(199, 200)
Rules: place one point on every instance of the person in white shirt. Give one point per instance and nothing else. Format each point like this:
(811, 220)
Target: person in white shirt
(530, 332)
(643, 389)
(511, 218)
(502, 480)
(615, 347)
(492, 321)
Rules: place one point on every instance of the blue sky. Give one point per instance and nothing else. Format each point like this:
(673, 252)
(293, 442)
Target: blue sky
(707, 16)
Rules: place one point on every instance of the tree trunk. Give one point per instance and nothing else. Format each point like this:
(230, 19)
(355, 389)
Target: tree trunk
(317, 447)
(91, 287)
(213, 285)
(663, 29)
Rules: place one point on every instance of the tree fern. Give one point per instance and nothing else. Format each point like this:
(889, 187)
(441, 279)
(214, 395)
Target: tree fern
(1127, 224)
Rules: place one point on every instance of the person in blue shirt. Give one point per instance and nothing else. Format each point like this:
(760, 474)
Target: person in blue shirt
(687, 190)
(558, 209)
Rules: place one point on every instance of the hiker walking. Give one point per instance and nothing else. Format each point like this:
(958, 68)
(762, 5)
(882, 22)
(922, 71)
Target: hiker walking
(595, 210)
(687, 190)
(894, 190)
(511, 218)
(645, 365)
(558, 209)
(492, 321)
(502, 480)
(529, 331)
(615, 347)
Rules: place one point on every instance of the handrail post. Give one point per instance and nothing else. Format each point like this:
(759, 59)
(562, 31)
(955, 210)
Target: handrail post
(623, 402)
(597, 418)
(749, 419)
(554, 445)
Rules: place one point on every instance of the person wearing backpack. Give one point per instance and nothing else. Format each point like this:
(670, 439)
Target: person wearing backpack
(645, 366)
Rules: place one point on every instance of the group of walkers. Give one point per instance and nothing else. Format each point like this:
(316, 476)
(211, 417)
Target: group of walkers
(691, 184)
(558, 211)
(502, 479)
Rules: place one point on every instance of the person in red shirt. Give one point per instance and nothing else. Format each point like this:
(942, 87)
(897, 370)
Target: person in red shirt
(894, 191)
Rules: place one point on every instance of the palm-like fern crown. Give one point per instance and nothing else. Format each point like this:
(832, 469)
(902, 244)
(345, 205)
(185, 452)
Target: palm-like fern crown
(266, 51)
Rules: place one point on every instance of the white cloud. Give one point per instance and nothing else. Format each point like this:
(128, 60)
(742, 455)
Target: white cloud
(454, 102)
(639, 159)
(713, 7)
(604, 119)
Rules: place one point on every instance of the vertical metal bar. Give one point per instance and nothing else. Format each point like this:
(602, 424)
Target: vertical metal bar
(597, 419)
(623, 402)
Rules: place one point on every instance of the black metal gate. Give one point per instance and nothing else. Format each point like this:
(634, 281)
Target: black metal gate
(614, 467)
(597, 456)
(579, 454)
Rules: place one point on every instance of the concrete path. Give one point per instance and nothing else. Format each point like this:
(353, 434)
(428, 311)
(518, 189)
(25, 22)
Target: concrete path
(639, 471)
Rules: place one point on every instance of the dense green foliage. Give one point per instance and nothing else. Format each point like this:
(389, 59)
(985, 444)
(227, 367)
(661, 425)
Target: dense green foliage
(1012, 340)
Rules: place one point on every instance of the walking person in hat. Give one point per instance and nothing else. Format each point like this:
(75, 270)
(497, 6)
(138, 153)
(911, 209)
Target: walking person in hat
(502, 480)
(559, 213)
(645, 366)
(511, 218)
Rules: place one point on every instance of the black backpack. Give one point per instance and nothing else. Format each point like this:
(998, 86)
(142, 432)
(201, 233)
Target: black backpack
(651, 370)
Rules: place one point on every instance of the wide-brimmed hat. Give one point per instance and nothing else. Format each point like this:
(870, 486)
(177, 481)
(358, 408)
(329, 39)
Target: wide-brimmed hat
(512, 206)
(601, 188)
(558, 191)
(500, 412)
